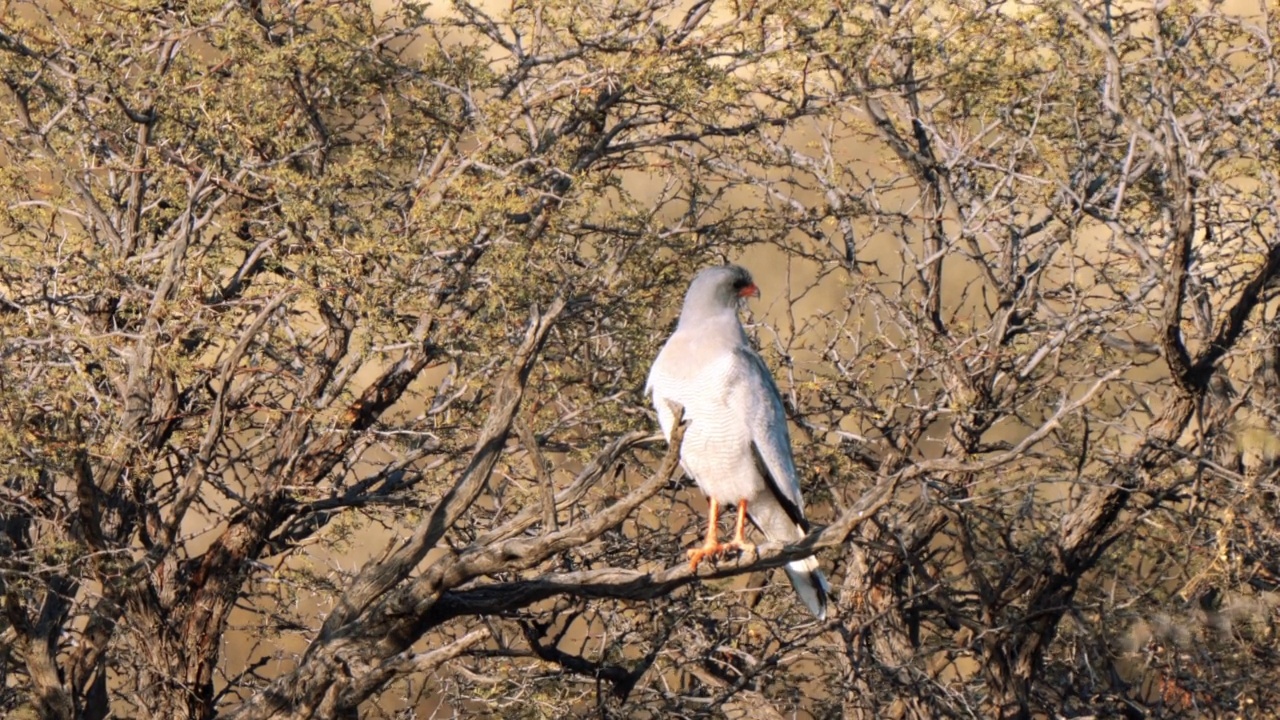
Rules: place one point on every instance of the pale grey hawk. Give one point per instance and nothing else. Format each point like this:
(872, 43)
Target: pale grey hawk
(737, 447)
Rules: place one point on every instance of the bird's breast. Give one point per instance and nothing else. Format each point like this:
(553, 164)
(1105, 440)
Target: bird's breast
(717, 443)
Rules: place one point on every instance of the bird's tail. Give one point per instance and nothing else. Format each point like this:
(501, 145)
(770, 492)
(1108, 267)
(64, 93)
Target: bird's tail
(810, 584)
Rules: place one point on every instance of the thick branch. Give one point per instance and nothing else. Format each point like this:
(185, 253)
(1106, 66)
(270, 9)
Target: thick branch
(378, 577)
(1231, 326)
(394, 625)
(628, 584)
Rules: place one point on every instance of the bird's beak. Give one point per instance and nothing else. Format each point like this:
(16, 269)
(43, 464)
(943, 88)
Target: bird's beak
(749, 291)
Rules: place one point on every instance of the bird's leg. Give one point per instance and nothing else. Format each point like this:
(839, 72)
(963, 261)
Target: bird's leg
(738, 541)
(711, 547)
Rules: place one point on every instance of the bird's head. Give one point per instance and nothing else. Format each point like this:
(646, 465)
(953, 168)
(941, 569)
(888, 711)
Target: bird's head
(717, 290)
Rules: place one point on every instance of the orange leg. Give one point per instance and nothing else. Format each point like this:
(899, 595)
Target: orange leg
(738, 541)
(712, 547)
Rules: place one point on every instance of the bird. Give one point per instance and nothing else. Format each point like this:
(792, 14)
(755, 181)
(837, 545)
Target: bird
(736, 447)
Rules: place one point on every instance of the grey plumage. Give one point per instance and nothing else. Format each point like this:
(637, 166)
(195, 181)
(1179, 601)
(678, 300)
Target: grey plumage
(737, 447)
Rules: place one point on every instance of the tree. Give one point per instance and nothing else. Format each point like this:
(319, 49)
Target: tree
(279, 278)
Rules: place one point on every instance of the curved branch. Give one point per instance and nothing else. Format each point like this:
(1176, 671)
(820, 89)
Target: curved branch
(1232, 325)
(628, 584)
(379, 577)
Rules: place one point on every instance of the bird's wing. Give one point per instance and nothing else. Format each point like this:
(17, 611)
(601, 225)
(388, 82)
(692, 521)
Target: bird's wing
(657, 386)
(770, 440)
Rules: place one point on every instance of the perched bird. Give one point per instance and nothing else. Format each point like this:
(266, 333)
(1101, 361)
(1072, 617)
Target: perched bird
(736, 446)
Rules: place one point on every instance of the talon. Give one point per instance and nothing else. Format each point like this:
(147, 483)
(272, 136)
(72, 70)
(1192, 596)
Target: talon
(698, 554)
(711, 548)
